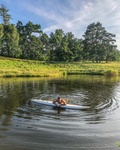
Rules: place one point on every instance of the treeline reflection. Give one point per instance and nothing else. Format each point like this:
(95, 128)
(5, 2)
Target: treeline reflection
(93, 91)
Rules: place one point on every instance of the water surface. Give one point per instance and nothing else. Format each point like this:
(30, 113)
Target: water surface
(23, 126)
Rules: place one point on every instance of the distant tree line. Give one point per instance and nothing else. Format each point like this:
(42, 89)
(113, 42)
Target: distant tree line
(30, 42)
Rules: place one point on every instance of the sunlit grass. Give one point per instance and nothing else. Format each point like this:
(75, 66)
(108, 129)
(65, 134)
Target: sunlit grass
(27, 68)
(117, 144)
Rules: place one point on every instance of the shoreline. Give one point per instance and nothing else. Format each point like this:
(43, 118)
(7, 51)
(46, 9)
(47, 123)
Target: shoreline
(12, 67)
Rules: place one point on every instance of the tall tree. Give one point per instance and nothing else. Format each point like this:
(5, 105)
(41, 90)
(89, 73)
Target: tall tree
(65, 47)
(45, 45)
(55, 41)
(1, 35)
(29, 42)
(10, 40)
(75, 47)
(72, 48)
(1, 31)
(77, 50)
(98, 42)
(5, 15)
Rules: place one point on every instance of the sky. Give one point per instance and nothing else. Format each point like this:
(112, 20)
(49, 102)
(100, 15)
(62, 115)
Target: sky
(69, 15)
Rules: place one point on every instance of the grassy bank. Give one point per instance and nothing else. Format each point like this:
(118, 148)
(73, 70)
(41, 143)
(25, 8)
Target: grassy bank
(27, 68)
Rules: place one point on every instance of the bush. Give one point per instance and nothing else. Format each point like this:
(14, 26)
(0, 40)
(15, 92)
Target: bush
(111, 72)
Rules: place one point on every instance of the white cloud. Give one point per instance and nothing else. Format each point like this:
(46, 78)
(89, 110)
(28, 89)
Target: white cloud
(50, 28)
(74, 15)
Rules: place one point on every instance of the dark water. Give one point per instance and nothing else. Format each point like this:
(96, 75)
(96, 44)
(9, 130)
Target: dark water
(24, 127)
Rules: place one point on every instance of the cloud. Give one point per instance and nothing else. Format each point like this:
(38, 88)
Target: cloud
(72, 15)
(77, 16)
(50, 28)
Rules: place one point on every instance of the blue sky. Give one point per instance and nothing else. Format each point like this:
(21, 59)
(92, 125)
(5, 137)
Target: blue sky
(70, 15)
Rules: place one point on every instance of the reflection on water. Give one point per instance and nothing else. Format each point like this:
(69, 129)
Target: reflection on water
(100, 94)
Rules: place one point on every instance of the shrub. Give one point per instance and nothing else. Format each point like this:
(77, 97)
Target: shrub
(111, 72)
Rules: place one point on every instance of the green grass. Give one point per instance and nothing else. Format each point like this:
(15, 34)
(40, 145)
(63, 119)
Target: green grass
(117, 144)
(27, 68)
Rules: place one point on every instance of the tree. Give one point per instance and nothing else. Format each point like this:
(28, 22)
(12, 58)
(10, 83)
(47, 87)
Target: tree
(75, 47)
(98, 43)
(10, 40)
(109, 47)
(1, 31)
(1, 35)
(45, 45)
(65, 47)
(4, 14)
(78, 49)
(55, 44)
(29, 42)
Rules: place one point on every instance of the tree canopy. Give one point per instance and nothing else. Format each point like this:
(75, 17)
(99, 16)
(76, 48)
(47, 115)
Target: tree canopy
(98, 43)
(5, 15)
(30, 42)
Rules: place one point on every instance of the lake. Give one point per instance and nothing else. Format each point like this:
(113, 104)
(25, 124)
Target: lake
(27, 127)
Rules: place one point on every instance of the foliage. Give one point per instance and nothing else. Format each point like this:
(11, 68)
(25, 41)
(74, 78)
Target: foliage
(98, 43)
(30, 45)
(111, 72)
(9, 41)
(4, 14)
(45, 46)
(117, 144)
(29, 42)
(1, 34)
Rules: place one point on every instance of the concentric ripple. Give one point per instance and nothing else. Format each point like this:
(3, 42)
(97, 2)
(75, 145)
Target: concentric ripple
(24, 126)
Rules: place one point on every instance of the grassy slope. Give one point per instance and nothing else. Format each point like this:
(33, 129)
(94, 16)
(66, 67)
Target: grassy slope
(27, 68)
